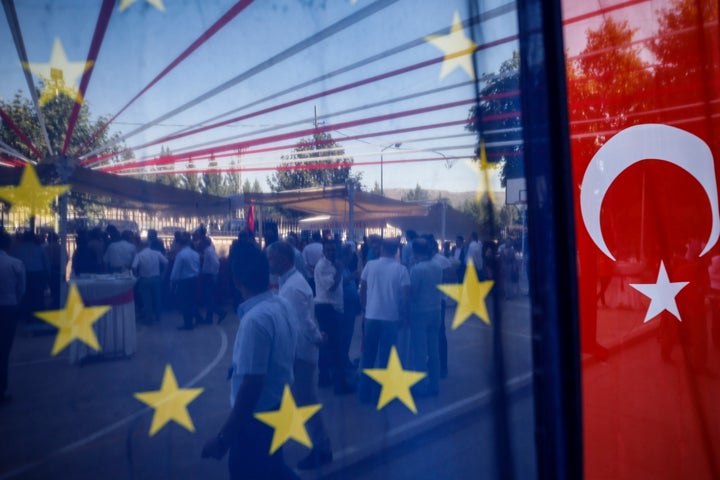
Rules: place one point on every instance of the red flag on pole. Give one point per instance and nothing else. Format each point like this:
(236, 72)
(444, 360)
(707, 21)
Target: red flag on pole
(251, 218)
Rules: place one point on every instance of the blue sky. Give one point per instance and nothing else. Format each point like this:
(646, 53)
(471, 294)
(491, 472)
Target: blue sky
(141, 41)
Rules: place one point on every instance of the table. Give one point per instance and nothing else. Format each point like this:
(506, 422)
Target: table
(115, 330)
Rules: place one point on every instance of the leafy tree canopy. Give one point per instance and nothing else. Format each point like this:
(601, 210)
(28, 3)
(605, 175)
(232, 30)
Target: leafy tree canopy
(418, 194)
(496, 119)
(315, 162)
(56, 113)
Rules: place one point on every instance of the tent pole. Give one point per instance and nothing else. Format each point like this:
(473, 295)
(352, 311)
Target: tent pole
(443, 218)
(64, 167)
(351, 208)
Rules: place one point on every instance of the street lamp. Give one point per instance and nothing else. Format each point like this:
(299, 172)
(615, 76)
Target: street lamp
(396, 145)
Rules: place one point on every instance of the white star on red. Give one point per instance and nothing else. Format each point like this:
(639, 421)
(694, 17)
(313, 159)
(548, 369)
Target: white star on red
(662, 294)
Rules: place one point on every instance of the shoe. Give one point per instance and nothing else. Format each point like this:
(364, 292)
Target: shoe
(185, 327)
(221, 317)
(316, 459)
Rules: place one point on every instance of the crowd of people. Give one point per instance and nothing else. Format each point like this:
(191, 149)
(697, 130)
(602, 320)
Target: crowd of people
(189, 266)
(298, 305)
(323, 288)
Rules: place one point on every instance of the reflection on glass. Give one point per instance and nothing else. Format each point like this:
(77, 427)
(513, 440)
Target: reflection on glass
(250, 123)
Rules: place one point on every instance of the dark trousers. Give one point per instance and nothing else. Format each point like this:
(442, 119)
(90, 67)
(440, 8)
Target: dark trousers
(34, 298)
(150, 292)
(443, 340)
(347, 330)
(8, 321)
(186, 299)
(331, 362)
(250, 457)
(209, 287)
(57, 278)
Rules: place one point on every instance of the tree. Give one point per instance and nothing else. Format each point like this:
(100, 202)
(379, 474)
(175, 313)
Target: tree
(190, 181)
(607, 83)
(485, 214)
(376, 189)
(56, 111)
(689, 33)
(254, 188)
(508, 215)
(213, 183)
(233, 179)
(56, 115)
(317, 161)
(170, 179)
(416, 195)
(496, 119)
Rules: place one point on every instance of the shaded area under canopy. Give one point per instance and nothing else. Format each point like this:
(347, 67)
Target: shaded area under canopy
(456, 222)
(335, 202)
(126, 192)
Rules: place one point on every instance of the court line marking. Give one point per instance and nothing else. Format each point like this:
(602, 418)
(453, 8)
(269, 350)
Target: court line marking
(120, 423)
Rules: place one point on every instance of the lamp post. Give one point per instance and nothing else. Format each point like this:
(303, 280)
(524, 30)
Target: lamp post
(396, 145)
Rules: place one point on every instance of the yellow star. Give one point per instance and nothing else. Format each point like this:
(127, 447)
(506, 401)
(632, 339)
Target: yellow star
(395, 381)
(30, 194)
(289, 421)
(155, 3)
(75, 321)
(470, 296)
(60, 75)
(170, 402)
(457, 48)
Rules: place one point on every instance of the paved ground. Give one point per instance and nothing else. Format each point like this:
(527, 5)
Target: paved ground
(82, 422)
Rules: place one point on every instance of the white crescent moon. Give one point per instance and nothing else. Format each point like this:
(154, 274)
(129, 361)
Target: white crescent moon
(646, 142)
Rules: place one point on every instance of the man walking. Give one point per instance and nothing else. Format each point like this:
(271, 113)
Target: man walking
(295, 289)
(263, 357)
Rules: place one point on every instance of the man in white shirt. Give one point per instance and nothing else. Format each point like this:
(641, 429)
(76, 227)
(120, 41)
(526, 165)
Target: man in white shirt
(120, 254)
(474, 252)
(12, 288)
(263, 357)
(210, 270)
(184, 277)
(312, 252)
(384, 293)
(329, 313)
(148, 264)
(295, 289)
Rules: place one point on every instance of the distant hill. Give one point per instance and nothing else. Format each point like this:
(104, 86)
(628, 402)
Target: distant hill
(456, 199)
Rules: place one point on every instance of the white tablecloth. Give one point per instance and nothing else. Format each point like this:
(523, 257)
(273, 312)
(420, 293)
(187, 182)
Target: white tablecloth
(115, 330)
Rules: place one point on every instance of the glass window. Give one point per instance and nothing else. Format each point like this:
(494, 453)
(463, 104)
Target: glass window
(381, 139)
